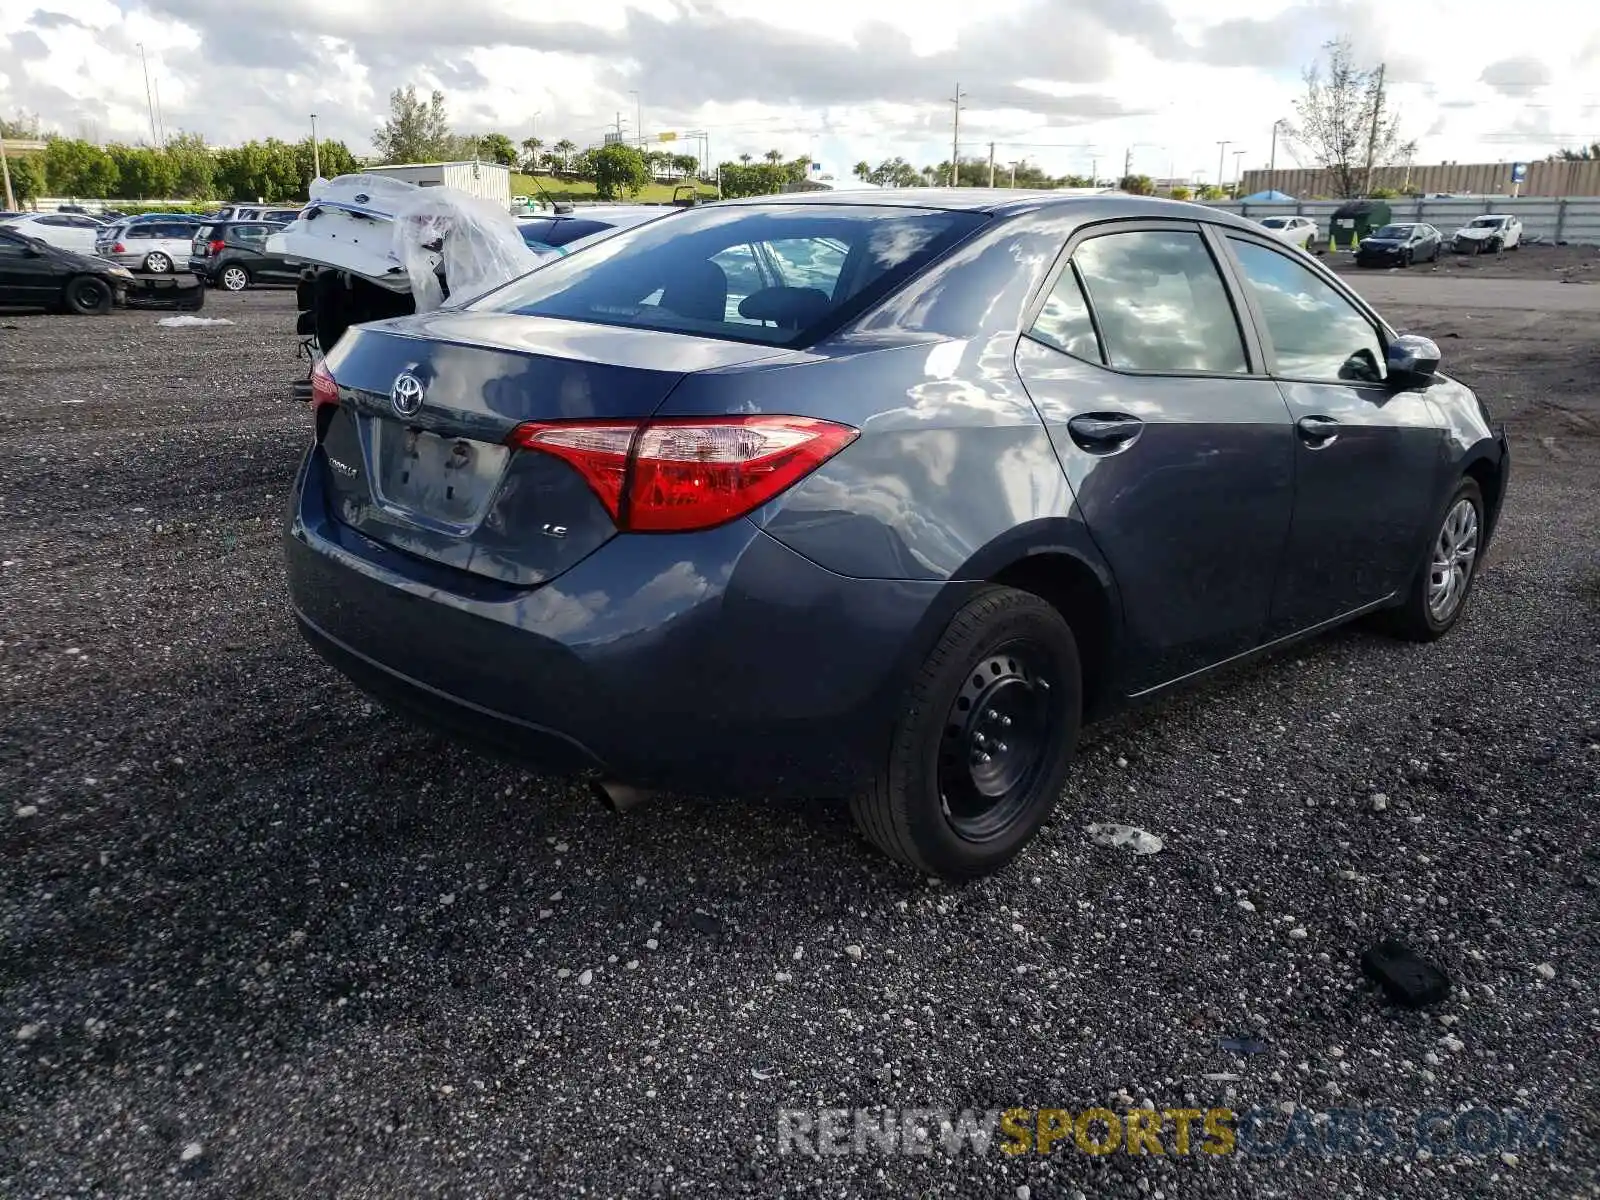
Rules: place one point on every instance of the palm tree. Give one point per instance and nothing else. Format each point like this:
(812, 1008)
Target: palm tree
(564, 148)
(861, 170)
(745, 159)
(531, 146)
(773, 156)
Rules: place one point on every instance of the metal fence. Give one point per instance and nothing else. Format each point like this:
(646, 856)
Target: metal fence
(1573, 219)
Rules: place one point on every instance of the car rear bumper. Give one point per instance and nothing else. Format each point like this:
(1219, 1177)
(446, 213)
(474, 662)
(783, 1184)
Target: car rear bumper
(712, 662)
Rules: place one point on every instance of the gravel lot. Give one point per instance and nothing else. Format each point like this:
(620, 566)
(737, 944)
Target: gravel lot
(257, 938)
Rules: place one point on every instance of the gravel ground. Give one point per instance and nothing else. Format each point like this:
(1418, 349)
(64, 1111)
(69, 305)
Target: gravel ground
(258, 938)
(1574, 264)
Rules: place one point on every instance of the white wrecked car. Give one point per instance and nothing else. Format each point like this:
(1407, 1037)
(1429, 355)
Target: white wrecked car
(382, 247)
(1490, 233)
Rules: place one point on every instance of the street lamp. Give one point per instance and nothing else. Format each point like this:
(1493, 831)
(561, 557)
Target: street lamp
(316, 150)
(1222, 154)
(638, 115)
(1272, 162)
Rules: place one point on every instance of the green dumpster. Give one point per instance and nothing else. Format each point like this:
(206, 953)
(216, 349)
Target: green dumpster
(1354, 220)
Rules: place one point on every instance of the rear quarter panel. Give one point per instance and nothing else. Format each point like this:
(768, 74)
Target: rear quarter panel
(953, 475)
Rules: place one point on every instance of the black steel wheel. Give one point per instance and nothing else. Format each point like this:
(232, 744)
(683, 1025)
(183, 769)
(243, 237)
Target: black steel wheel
(978, 756)
(88, 296)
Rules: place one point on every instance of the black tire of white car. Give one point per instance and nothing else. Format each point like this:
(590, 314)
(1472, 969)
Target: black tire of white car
(88, 296)
(904, 811)
(157, 263)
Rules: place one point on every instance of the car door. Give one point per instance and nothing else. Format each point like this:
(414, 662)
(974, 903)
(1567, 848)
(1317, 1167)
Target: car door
(80, 233)
(1178, 448)
(1367, 454)
(248, 244)
(27, 277)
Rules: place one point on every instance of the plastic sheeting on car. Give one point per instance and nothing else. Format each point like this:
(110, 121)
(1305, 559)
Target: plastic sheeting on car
(476, 241)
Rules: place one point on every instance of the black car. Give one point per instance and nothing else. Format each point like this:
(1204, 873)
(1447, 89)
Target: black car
(1400, 246)
(35, 274)
(233, 255)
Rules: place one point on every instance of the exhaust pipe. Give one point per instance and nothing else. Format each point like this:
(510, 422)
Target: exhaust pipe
(620, 797)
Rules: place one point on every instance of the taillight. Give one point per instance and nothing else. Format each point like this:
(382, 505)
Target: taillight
(216, 247)
(119, 248)
(683, 473)
(323, 389)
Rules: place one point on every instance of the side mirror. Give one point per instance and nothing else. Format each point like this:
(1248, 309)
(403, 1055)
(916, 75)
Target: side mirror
(1412, 361)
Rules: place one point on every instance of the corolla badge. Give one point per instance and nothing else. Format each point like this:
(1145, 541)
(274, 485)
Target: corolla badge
(405, 397)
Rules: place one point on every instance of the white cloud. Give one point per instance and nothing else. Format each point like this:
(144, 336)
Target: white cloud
(839, 79)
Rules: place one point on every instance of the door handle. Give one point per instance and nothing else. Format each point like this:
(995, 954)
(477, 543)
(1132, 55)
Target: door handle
(1102, 433)
(1317, 432)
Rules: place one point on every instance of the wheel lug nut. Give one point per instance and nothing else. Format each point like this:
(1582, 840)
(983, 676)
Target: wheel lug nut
(1006, 722)
(980, 739)
(992, 715)
(983, 758)
(1001, 747)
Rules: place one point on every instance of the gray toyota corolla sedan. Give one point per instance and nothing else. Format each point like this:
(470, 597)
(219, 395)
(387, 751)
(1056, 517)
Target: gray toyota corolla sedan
(876, 495)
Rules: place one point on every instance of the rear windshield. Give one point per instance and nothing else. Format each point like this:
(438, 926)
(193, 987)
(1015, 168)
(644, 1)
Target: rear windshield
(1394, 232)
(769, 274)
(1274, 222)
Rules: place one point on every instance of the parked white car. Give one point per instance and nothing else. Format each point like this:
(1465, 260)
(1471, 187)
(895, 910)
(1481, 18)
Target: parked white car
(1297, 231)
(159, 247)
(65, 231)
(1490, 233)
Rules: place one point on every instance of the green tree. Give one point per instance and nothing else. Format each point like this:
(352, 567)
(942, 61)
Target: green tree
(862, 171)
(1181, 193)
(74, 167)
(1346, 120)
(773, 156)
(497, 147)
(1581, 154)
(686, 165)
(1138, 185)
(417, 130)
(564, 149)
(532, 158)
(23, 125)
(619, 172)
(194, 167)
(27, 177)
(143, 173)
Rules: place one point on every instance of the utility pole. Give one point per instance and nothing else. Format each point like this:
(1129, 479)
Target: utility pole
(5, 173)
(1238, 176)
(316, 151)
(1094, 172)
(149, 103)
(1272, 162)
(161, 121)
(1127, 163)
(1372, 138)
(991, 164)
(638, 115)
(619, 125)
(1222, 154)
(1013, 175)
(955, 139)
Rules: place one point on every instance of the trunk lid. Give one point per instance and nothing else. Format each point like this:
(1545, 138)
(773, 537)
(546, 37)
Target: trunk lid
(432, 476)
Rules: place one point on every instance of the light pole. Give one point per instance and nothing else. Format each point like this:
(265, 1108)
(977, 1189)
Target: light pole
(316, 151)
(1272, 161)
(148, 102)
(1238, 178)
(1222, 154)
(955, 138)
(638, 115)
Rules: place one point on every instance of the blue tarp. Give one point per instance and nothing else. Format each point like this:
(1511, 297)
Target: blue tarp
(1269, 198)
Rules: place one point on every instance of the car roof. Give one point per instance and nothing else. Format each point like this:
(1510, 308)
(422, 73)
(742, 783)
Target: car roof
(1004, 202)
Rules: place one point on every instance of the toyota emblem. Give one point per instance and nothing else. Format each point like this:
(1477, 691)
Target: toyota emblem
(406, 395)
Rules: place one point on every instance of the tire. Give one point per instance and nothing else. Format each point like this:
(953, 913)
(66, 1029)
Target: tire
(1405, 258)
(1007, 661)
(1494, 246)
(234, 278)
(1418, 620)
(88, 296)
(157, 263)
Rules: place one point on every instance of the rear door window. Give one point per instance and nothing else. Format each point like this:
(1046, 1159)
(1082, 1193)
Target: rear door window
(563, 232)
(1161, 302)
(253, 236)
(1064, 323)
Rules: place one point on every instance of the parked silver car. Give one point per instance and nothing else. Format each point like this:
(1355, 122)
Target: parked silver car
(158, 247)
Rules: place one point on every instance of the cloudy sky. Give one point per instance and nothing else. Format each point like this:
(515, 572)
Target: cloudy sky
(1064, 83)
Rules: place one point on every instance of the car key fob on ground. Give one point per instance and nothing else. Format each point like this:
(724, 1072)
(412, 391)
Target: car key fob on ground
(1408, 979)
